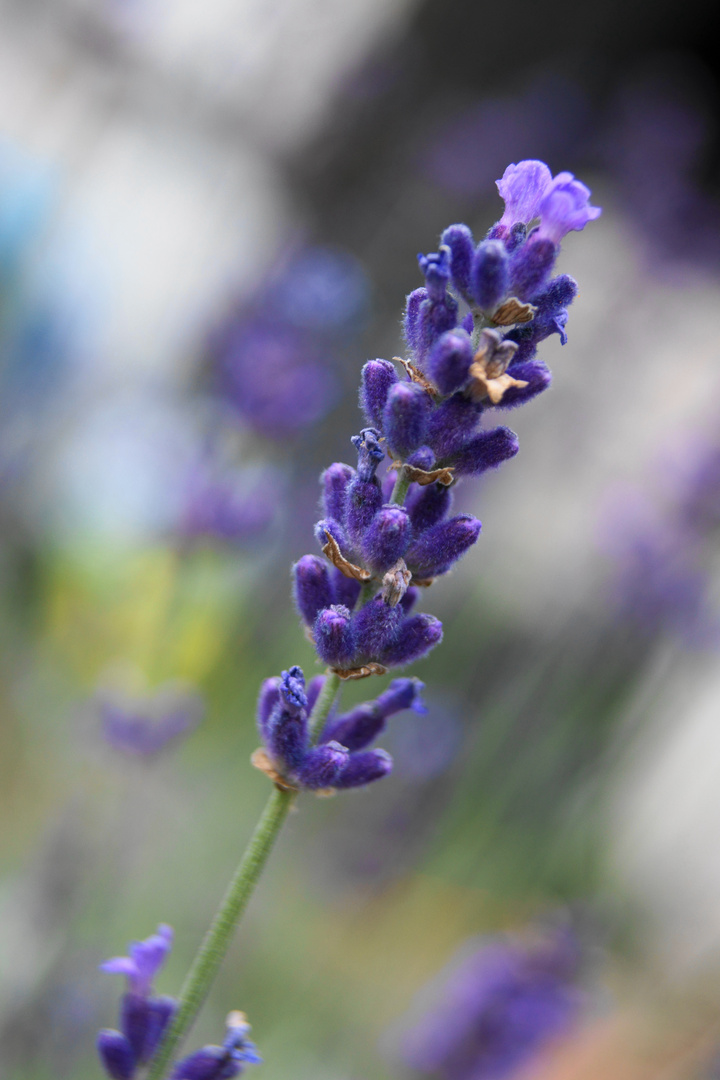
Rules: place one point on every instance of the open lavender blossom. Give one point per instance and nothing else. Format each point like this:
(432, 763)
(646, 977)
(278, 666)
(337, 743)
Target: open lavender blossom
(501, 1004)
(144, 1016)
(340, 758)
(143, 726)
(221, 1062)
(427, 414)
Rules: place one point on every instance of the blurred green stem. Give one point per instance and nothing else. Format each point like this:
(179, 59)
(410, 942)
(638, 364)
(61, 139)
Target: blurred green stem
(217, 940)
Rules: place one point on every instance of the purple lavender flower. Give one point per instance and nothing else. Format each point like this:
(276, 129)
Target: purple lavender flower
(144, 1017)
(565, 207)
(497, 1007)
(144, 726)
(235, 506)
(221, 1062)
(522, 187)
(340, 759)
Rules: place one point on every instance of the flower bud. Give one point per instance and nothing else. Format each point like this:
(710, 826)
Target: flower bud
(462, 248)
(312, 587)
(442, 545)
(333, 636)
(530, 267)
(490, 274)
(417, 635)
(429, 506)
(449, 361)
(116, 1055)
(364, 768)
(405, 417)
(335, 481)
(486, 451)
(387, 537)
(378, 377)
(323, 765)
(374, 627)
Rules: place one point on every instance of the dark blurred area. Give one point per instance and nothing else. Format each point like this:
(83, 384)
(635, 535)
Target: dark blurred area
(209, 219)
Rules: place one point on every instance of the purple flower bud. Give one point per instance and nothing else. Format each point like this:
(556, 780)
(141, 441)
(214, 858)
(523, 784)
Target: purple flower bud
(364, 501)
(364, 768)
(143, 1021)
(333, 636)
(370, 452)
(535, 374)
(387, 537)
(268, 698)
(116, 1054)
(401, 694)
(560, 292)
(411, 322)
(405, 417)
(358, 728)
(418, 634)
(449, 361)
(323, 765)
(345, 590)
(486, 451)
(378, 377)
(287, 736)
(530, 267)
(434, 319)
(522, 187)
(451, 425)
(423, 458)
(145, 960)
(428, 507)
(312, 587)
(374, 627)
(329, 525)
(335, 481)
(436, 268)
(442, 545)
(565, 207)
(490, 274)
(462, 248)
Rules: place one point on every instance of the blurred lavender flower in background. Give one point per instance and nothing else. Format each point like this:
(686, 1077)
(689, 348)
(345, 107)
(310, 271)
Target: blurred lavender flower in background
(667, 549)
(273, 359)
(230, 505)
(142, 726)
(500, 1003)
(221, 1062)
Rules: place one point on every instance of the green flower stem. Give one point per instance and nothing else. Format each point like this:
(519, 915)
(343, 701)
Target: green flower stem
(401, 488)
(216, 941)
(323, 705)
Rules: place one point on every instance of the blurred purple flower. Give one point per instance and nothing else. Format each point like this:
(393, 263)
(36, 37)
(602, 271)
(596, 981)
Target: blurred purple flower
(233, 505)
(274, 358)
(497, 1007)
(145, 960)
(144, 726)
(665, 549)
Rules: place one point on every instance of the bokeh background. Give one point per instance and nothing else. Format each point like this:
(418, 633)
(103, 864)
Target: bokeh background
(209, 217)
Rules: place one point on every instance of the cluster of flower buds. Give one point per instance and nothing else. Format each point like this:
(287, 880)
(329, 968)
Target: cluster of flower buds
(145, 1016)
(429, 420)
(339, 759)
